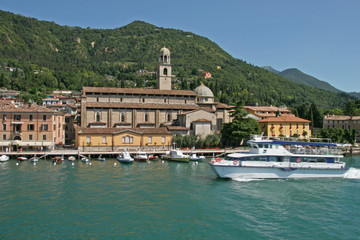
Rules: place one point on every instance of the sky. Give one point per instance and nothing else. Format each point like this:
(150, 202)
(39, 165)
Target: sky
(319, 37)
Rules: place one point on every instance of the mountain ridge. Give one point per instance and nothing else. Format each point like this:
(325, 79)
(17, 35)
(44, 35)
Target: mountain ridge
(72, 57)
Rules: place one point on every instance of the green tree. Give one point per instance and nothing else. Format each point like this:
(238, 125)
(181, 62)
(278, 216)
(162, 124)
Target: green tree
(240, 128)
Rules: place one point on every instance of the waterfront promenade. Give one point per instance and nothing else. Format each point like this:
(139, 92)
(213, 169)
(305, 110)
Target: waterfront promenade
(91, 154)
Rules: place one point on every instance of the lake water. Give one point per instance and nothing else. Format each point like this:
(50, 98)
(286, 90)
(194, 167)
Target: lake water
(171, 201)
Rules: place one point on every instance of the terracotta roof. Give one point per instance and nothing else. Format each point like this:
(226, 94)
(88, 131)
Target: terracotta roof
(284, 119)
(222, 105)
(142, 105)
(267, 108)
(177, 128)
(73, 106)
(26, 108)
(339, 117)
(271, 114)
(161, 130)
(138, 91)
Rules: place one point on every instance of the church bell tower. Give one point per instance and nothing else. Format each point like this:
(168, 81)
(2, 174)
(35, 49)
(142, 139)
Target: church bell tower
(164, 70)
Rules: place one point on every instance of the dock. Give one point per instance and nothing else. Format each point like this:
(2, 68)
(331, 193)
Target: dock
(113, 154)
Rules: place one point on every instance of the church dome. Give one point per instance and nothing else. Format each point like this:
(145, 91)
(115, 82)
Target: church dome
(164, 51)
(203, 91)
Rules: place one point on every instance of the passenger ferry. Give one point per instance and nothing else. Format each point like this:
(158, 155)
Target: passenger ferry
(282, 159)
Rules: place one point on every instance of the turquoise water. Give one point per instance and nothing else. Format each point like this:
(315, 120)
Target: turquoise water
(170, 201)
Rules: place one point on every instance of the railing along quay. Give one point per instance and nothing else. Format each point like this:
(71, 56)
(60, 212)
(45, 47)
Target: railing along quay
(78, 153)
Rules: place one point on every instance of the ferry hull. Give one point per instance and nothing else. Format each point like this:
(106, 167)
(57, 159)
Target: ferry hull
(274, 173)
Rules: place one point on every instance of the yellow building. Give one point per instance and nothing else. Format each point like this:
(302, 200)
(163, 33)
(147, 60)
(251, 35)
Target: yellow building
(286, 126)
(116, 139)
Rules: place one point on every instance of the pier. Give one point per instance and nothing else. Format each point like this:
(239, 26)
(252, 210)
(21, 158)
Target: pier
(78, 153)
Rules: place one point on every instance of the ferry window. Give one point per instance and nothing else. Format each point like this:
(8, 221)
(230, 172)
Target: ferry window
(262, 159)
(261, 146)
(272, 159)
(266, 145)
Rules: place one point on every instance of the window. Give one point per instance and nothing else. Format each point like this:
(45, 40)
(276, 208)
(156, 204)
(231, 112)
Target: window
(150, 139)
(44, 117)
(168, 117)
(122, 117)
(44, 127)
(30, 117)
(17, 117)
(30, 127)
(104, 139)
(97, 117)
(4, 117)
(87, 139)
(4, 136)
(131, 139)
(4, 127)
(44, 137)
(146, 117)
(165, 71)
(30, 137)
(163, 140)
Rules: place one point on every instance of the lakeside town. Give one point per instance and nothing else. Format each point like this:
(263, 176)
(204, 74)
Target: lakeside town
(101, 120)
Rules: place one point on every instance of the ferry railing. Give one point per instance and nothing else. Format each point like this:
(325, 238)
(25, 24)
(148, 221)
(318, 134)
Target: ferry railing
(315, 151)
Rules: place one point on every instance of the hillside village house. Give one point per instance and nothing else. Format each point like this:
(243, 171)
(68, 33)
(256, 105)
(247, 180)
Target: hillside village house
(134, 110)
(285, 126)
(343, 122)
(262, 112)
(30, 127)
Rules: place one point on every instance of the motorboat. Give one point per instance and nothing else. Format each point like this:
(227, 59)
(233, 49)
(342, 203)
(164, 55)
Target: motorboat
(84, 159)
(101, 158)
(282, 159)
(71, 158)
(141, 156)
(21, 158)
(34, 159)
(176, 155)
(58, 159)
(4, 158)
(194, 157)
(153, 157)
(125, 157)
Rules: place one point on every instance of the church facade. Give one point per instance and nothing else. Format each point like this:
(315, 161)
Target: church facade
(164, 110)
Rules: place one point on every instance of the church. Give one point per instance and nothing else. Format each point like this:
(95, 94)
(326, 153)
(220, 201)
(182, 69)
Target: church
(138, 116)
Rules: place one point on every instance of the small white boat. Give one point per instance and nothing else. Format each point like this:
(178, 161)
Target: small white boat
(101, 158)
(71, 158)
(176, 155)
(4, 158)
(125, 157)
(21, 158)
(194, 157)
(34, 159)
(84, 159)
(141, 156)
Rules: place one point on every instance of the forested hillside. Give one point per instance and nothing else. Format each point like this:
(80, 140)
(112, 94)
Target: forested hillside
(48, 56)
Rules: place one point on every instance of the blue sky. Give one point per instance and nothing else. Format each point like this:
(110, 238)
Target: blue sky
(319, 37)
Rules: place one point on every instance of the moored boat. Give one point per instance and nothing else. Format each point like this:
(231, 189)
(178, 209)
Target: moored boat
(125, 157)
(194, 157)
(21, 158)
(34, 159)
(71, 158)
(4, 158)
(84, 159)
(282, 159)
(141, 157)
(176, 155)
(101, 158)
(153, 157)
(58, 159)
